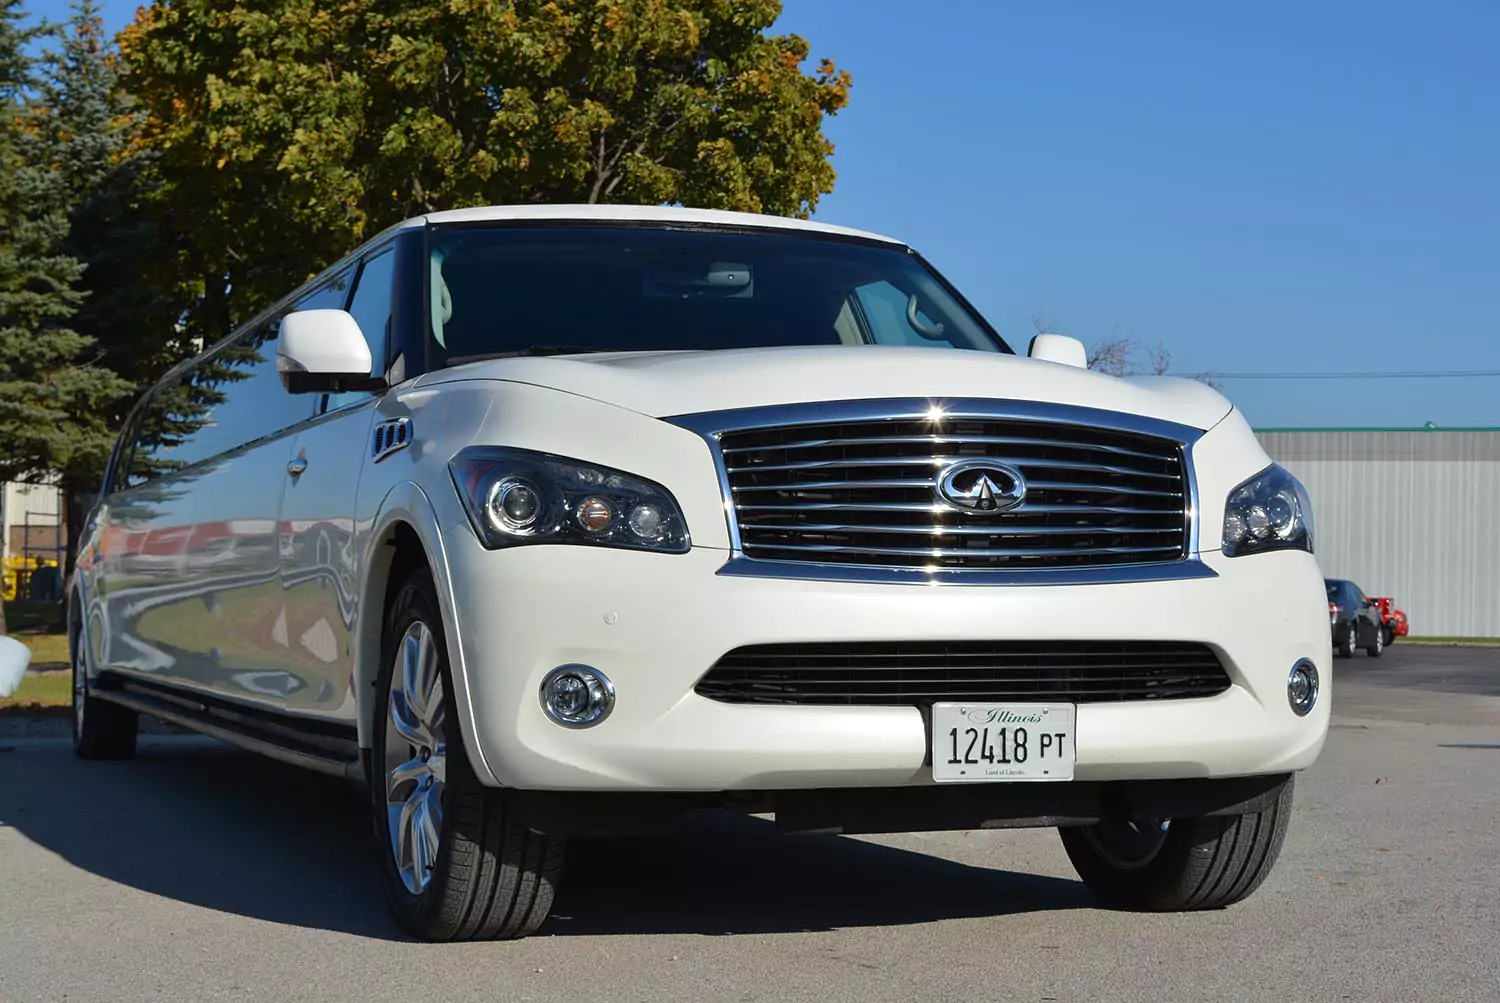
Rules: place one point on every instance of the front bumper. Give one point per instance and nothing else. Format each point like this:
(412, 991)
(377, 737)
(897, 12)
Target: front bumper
(655, 623)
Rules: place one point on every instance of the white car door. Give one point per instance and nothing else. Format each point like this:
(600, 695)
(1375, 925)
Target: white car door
(195, 589)
(319, 562)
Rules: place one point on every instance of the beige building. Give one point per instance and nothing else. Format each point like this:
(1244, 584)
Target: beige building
(1411, 513)
(31, 521)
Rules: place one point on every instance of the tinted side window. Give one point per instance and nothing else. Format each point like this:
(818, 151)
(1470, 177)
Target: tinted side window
(165, 422)
(329, 296)
(371, 308)
(251, 402)
(119, 478)
(116, 478)
(231, 398)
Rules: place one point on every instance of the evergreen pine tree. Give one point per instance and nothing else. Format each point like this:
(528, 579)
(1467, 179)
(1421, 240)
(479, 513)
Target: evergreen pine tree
(53, 393)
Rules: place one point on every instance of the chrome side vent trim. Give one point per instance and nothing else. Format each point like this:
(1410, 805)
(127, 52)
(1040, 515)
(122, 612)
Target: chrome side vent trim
(390, 436)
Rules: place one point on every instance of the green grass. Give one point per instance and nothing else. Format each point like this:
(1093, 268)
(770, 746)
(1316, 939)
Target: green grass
(1433, 639)
(47, 650)
(40, 690)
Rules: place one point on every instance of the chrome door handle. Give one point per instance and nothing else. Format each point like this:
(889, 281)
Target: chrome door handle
(296, 467)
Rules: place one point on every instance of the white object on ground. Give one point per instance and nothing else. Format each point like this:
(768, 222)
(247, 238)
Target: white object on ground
(14, 657)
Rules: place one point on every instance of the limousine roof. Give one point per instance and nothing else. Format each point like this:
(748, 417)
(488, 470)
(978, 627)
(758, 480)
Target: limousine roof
(636, 214)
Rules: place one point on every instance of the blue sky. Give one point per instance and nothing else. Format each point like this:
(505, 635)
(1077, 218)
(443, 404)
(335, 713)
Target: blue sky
(1270, 187)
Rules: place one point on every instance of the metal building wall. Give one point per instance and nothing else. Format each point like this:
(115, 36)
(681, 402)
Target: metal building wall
(1409, 514)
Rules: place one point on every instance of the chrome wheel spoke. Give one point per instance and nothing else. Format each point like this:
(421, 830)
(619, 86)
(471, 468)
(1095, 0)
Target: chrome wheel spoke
(425, 821)
(405, 846)
(405, 721)
(416, 761)
(413, 650)
(429, 702)
(80, 691)
(400, 777)
(436, 714)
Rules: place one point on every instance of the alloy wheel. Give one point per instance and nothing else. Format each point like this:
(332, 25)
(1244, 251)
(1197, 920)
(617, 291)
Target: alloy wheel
(1128, 843)
(416, 757)
(80, 690)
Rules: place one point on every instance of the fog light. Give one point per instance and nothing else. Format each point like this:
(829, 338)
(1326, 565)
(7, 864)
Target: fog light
(577, 696)
(1302, 687)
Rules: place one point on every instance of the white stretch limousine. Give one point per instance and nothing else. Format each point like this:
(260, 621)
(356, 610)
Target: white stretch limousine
(550, 521)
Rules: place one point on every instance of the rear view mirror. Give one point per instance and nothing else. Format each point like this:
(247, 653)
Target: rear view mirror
(1059, 348)
(688, 279)
(323, 352)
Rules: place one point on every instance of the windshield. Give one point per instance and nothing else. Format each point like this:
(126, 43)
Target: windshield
(512, 290)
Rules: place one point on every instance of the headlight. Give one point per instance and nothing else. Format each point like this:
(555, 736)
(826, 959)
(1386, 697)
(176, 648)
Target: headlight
(1270, 511)
(516, 496)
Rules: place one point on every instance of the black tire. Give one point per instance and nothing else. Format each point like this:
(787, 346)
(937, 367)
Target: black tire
(1388, 636)
(1377, 645)
(1199, 863)
(101, 730)
(492, 879)
(1345, 648)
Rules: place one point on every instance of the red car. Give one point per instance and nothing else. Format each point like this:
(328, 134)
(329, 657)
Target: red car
(1392, 620)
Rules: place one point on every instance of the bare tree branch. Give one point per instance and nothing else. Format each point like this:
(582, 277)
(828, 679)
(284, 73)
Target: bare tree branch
(1161, 359)
(1114, 356)
(1122, 355)
(601, 173)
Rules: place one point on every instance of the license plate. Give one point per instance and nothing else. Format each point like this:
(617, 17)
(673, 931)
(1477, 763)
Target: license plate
(1002, 741)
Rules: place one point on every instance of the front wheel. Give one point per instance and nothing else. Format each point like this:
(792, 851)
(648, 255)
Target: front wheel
(457, 866)
(1174, 865)
(101, 730)
(1377, 646)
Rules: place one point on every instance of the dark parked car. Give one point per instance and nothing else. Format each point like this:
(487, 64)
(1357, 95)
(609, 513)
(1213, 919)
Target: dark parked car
(1354, 618)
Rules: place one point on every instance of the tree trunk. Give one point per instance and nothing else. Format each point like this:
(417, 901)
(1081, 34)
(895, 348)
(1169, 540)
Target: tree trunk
(3, 628)
(78, 498)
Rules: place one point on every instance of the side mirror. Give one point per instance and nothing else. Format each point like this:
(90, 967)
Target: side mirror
(323, 352)
(1059, 348)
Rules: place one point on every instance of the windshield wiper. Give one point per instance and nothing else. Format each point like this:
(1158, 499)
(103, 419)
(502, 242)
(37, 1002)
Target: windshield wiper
(529, 350)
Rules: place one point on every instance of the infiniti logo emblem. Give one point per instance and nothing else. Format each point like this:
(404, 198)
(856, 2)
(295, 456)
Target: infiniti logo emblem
(982, 487)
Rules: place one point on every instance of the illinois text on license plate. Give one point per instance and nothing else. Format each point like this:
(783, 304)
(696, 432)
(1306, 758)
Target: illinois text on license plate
(1002, 741)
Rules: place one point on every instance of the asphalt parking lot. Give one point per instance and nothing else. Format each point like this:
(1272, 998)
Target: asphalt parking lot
(198, 873)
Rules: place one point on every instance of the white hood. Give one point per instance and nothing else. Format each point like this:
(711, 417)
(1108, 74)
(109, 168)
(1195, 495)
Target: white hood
(662, 384)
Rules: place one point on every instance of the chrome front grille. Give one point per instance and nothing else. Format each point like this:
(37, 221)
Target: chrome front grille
(862, 491)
